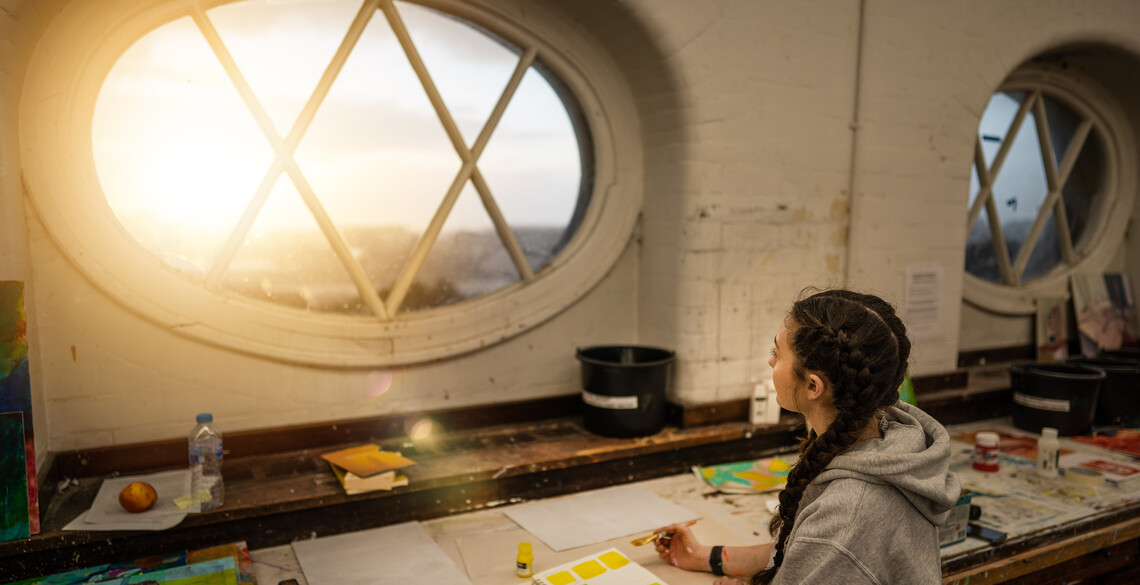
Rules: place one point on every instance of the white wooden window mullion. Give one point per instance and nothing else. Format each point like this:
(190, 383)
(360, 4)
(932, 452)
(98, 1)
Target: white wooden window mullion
(285, 156)
(467, 170)
(1070, 161)
(991, 173)
(1052, 182)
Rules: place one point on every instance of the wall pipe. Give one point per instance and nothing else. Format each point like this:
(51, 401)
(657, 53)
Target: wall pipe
(852, 182)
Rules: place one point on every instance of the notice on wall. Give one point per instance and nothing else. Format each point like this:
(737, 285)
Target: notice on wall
(923, 313)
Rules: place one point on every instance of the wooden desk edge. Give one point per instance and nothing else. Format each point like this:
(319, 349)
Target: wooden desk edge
(1039, 558)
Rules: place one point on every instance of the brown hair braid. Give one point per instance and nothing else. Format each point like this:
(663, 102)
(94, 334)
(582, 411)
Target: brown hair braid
(858, 343)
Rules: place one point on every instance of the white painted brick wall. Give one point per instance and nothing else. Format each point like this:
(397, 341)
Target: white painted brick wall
(745, 110)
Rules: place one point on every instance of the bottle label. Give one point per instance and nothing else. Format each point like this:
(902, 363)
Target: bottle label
(522, 569)
(986, 458)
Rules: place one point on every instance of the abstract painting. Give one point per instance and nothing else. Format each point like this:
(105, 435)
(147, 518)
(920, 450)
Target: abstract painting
(16, 398)
(1106, 314)
(13, 478)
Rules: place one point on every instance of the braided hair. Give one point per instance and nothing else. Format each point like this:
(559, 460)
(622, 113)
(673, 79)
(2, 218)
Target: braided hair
(858, 343)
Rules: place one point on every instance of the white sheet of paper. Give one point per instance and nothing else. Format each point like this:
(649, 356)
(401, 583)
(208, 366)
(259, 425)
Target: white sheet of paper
(571, 521)
(392, 555)
(490, 557)
(924, 300)
(107, 514)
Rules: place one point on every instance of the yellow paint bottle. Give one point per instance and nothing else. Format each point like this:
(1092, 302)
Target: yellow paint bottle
(524, 561)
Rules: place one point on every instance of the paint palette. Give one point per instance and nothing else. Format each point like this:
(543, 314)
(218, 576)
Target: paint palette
(608, 567)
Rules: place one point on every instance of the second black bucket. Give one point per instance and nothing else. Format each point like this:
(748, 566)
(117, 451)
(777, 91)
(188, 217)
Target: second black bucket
(1058, 395)
(623, 389)
(1119, 401)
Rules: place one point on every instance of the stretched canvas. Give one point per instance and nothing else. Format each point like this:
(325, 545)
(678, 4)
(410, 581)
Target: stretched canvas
(1106, 314)
(16, 397)
(13, 478)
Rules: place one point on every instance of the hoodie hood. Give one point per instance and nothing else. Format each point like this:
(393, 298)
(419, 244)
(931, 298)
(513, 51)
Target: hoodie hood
(913, 455)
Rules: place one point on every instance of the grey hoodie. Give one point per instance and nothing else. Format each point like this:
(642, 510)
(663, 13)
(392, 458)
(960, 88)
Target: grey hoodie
(873, 515)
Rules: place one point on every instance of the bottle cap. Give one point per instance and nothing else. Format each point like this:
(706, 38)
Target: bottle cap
(1048, 433)
(205, 417)
(524, 547)
(986, 439)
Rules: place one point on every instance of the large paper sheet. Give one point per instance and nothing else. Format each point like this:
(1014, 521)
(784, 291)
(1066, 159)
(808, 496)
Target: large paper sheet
(392, 555)
(571, 521)
(107, 514)
(490, 557)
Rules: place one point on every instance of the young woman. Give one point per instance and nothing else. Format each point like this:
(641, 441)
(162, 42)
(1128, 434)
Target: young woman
(872, 485)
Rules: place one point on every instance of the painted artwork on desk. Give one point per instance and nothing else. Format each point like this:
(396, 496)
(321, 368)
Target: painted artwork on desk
(1124, 441)
(1106, 312)
(609, 567)
(747, 477)
(236, 568)
(21, 512)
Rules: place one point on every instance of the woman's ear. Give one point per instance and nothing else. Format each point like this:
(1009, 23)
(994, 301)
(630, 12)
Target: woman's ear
(817, 386)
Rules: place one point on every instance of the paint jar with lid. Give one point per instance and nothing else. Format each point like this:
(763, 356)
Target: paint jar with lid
(524, 562)
(986, 451)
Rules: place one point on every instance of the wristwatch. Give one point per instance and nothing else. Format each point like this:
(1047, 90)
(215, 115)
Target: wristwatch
(716, 560)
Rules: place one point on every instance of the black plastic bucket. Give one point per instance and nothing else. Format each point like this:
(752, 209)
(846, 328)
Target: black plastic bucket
(1058, 395)
(1119, 401)
(623, 389)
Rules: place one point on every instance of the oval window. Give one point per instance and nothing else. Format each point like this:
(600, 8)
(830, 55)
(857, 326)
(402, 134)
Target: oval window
(1047, 197)
(292, 153)
(332, 182)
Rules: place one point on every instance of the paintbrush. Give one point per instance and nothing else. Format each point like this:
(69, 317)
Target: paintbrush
(656, 535)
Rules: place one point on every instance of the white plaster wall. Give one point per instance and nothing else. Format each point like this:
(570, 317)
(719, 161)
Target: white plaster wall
(768, 92)
(746, 113)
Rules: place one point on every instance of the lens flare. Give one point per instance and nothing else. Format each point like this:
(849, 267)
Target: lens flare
(379, 382)
(419, 430)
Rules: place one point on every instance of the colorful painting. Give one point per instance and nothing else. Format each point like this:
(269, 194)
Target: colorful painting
(747, 477)
(1124, 441)
(13, 477)
(1106, 314)
(160, 569)
(16, 397)
(609, 567)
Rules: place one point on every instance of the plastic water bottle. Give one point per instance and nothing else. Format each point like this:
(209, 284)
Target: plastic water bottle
(206, 463)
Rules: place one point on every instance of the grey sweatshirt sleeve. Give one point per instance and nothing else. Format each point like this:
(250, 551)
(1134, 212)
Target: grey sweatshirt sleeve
(822, 562)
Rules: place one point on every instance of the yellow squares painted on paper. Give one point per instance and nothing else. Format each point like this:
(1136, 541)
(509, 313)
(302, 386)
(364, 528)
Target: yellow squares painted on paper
(561, 578)
(614, 560)
(589, 569)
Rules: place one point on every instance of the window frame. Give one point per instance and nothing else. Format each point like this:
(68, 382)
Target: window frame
(64, 76)
(1104, 233)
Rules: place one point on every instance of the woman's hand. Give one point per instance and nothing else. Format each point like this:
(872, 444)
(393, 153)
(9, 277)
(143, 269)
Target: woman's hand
(681, 549)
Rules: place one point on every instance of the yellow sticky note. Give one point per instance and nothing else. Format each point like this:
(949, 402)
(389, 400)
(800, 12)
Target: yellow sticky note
(561, 578)
(589, 569)
(614, 560)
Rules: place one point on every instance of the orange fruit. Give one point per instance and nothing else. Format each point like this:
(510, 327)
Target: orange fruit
(138, 496)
